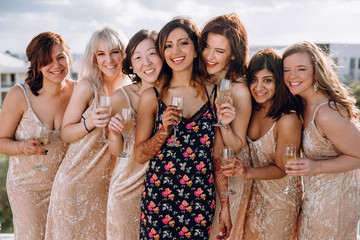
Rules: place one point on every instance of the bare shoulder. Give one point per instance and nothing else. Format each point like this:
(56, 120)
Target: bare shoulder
(329, 117)
(84, 87)
(240, 90)
(289, 122)
(148, 95)
(15, 96)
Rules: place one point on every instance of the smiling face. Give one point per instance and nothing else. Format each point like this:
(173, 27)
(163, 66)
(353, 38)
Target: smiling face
(58, 68)
(299, 73)
(146, 62)
(179, 51)
(108, 60)
(262, 86)
(217, 54)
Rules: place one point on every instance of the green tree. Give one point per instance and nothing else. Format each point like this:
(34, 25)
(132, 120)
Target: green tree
(355, 88)
(6, 224)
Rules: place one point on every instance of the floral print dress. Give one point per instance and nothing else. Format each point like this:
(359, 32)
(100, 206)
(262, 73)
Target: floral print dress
(178, 197)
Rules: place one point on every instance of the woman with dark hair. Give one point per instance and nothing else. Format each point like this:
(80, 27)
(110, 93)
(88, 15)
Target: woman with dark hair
(79, 198)
(275, 122)
(178, 198)
(39, 102)
(331, 140)
(143, 65)
(224, 49)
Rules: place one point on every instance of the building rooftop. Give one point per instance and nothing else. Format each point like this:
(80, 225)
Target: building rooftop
(11, 64)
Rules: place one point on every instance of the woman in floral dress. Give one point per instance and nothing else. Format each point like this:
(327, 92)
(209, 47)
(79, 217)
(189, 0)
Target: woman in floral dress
(178, 198)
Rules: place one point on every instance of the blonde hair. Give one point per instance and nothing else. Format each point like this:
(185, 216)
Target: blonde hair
(326, 77)
(89, 68)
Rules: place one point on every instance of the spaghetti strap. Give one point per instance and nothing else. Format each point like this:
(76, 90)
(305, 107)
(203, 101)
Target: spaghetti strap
(24, 88)
(127, 97)
(313, 118)
(156, 92)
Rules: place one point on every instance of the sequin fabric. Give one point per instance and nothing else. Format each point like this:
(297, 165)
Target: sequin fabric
(271, 213)
(79, 198)
(29, 190)
(331, 206)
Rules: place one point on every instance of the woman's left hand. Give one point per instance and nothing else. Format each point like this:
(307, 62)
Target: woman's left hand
(225, 224)
(302, 167)
(235, 168)
(226, 110)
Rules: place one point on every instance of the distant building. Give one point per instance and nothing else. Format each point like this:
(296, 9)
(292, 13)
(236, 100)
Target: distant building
(346, 56)
(12, 71)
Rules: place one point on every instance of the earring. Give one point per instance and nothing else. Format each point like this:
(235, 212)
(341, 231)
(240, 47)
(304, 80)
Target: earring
(316, 87)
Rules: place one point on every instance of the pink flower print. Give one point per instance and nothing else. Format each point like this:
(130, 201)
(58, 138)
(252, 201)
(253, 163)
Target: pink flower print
(205, 113)
(204, 139)
(212, 206)
(153, 178)
(170, 139)
(183, 231)
(188, 126)
(169, 165)
(166, 192)
(182, 207)
(151, 205)
(200, 166)
(160, 126)
(198, 192)
(199, 218)
(211, 179)
(184, 179)
(187, 152)
(166, 219)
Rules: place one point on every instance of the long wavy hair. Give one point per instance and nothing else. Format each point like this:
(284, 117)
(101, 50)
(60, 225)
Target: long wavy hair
(231, 27)
(283, 101)
(199, 71)
(38, 53)
(326, 77)
(90, 70)
(130, 49)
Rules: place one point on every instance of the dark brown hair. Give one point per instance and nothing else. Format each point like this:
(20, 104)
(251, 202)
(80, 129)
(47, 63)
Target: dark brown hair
(129, 51)
(231, 27)
(283, 101)
(199, 71)
(38, 53)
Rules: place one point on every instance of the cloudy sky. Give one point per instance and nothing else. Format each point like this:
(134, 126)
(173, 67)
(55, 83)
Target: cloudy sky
(269, 22)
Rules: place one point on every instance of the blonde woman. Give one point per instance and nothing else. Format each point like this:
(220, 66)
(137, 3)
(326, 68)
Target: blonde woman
(79, 198)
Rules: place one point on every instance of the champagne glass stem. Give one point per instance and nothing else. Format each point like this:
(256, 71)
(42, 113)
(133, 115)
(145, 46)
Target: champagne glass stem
(174, 140)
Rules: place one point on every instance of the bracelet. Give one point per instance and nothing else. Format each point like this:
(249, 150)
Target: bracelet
(85, 125)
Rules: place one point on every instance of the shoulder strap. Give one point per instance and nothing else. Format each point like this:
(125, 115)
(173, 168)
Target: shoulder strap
(318, 108)
(156, 92)
(25, 89)
(127, 96)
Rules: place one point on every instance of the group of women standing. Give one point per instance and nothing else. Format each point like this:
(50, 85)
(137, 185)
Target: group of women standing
(171, 185)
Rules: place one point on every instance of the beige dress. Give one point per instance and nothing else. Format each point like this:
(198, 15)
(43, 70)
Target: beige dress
(78, 201)
(271, 214)
(124, 203)
(29, 190)
(331, 206)
(238, 202)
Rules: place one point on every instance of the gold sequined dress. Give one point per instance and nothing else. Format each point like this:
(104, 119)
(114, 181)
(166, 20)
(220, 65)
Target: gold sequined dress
(331, 206)
(29, 190)
(124, 203)
(238, 202)
(271, 214)
(79, 199)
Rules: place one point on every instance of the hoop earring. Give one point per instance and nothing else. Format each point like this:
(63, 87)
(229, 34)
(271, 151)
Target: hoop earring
(316, 87)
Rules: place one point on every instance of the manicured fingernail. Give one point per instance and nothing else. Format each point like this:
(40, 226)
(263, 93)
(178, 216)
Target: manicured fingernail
(42, 143)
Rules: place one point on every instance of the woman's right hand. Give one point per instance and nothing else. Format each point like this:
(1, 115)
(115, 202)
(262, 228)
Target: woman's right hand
(235, 168)
(32, 147)
(98, 118)
(115, 124)
(170, 117)
(226, 110)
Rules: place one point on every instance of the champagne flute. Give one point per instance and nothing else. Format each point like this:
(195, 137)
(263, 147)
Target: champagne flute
(42, 135)
(225, 90)
(179, 102)
(227, 153)
(128, 115)
(105, 102)
(289, 154)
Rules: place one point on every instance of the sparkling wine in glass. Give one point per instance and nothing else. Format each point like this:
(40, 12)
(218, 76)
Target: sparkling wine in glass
(225, 90)
(105, 102)
(227, 153)
(128, 115)
(289, 154)
(42, 135)
(179, 102)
